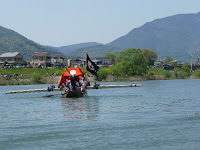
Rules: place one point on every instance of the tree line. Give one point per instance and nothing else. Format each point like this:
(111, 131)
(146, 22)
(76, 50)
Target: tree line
(135, 62)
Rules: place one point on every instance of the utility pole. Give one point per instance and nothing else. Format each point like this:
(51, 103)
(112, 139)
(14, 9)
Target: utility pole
(191, 63)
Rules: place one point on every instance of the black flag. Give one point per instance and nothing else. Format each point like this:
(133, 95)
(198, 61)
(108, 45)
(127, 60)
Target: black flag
(91, 66)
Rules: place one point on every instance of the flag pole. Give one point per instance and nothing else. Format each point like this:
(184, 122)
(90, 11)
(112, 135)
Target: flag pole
(86, 74)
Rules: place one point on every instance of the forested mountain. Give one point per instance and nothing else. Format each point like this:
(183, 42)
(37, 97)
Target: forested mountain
(11, 41)
(177, 36)
(93, 51)
(71, 48)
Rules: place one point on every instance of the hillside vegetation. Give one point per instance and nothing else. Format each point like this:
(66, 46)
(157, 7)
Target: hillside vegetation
(70, 48)
(11, 41)
(176, 36)
(94, 51)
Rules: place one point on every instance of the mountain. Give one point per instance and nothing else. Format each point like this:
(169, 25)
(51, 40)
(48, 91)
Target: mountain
(11, 41)
(177, 36)
(93, 51)
(71, 48)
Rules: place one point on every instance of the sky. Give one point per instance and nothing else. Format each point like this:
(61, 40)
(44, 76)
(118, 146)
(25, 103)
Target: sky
(66, 22)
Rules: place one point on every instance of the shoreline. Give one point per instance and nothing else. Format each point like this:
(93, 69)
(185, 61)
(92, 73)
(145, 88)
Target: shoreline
(55, 80)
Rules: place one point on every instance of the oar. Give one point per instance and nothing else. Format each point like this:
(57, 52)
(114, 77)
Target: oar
(52, 95)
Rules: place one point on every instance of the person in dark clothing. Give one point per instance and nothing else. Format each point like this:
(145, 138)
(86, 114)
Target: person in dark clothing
(96, 86)
(73, 81)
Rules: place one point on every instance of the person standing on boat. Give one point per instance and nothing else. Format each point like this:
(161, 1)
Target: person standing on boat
(73, 81)
(84, 86)
(67, 82)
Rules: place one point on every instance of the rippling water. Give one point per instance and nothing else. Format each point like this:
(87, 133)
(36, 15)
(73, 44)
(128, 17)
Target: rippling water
(160, 115)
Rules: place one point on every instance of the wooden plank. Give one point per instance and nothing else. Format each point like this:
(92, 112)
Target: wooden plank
(31, 91)
(58, 89)
(115, 86)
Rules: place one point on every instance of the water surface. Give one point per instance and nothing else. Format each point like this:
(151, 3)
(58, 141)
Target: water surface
(160, 115)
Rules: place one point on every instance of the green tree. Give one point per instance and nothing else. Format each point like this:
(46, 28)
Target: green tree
(113, 56)
(5, 62)
(174, 64)
(168, 59)
(177, 73)
(197, 73)
(104, 72)
(131, 62)
(150, 56)
(186, 68)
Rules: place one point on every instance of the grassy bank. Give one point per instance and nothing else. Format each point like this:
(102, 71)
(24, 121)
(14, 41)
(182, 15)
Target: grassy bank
(152, 74)
(23, 76)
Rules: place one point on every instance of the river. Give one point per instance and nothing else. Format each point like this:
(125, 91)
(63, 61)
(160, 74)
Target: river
(162, 114)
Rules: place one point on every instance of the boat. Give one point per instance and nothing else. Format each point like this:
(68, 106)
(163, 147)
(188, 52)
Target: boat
(71, 94)
(79, 76)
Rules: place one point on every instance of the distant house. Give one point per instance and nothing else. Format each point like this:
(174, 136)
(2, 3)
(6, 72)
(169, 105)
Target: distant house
(104, 61)
(180, 62)
(41, 59)
(108, 61)
(76, 62)
(158, 64)
(101, 62)
(12, 58)
(197, 62)
(58, 60)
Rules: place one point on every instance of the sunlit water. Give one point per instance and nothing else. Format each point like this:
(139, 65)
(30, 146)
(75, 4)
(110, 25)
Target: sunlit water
(161, 115)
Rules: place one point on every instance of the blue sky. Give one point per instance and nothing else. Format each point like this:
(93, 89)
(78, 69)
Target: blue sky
(66, 22)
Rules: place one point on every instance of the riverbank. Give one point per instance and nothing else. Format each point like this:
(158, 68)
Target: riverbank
(46, 80)
(55, 80)
(139, 78)
(29, 76)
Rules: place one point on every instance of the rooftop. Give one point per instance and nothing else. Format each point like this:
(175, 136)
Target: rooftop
(58, 55)
(41, 54)
(9, 54)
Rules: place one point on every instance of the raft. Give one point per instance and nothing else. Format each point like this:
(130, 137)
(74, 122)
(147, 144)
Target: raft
(58, 89)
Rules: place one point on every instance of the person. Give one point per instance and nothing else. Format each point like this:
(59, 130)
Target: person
(95, 85)
(68, 85)
(84, 86)
(52, 87)
(62, 86)
(73, 81)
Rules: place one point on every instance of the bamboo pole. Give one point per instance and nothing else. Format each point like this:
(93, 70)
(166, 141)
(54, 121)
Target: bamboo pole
(114, 86)
(31, 91)
(58, 89)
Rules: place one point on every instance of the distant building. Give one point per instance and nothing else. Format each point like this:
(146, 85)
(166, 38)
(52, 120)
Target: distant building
(12, 58)
(41, 59)
(179, 62)
(76, 62)
(197, 62)
(104, 61)
(101, 62)
(58, 60)
(108, 61)
(158, 64)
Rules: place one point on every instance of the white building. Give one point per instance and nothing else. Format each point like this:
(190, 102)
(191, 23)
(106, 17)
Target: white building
(12, 58)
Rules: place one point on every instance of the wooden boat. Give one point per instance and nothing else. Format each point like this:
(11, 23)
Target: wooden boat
(70, 94)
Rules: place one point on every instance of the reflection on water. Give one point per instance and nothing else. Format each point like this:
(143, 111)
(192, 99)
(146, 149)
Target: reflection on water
(80, 108)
